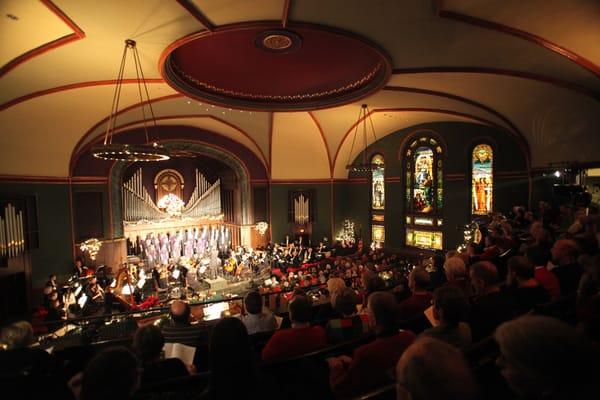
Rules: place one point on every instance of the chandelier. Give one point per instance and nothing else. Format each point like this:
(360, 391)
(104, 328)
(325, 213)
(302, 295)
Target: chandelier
(151, 150)
(92, 247)
(365, 165)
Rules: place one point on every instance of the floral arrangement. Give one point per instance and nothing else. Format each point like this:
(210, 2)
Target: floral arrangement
(171, 204)
(262, 227)
(92, 246)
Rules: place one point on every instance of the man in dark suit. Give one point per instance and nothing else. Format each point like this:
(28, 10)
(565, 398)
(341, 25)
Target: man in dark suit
(568, 271)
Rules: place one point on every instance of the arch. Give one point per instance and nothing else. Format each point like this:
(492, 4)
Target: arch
(118, 169)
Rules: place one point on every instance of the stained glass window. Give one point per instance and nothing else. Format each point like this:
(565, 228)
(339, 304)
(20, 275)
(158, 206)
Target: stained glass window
(378, 236)
(378, 183)
(424, 193)
(422, 196)
(482, 179)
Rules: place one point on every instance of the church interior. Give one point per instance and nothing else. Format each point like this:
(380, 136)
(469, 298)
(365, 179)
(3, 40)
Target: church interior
(347, 199)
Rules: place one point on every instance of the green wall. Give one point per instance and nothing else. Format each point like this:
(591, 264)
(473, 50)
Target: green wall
(352, 199)
(279, 210)
(54, 254)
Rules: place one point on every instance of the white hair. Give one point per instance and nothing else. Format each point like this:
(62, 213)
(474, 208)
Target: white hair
(455, 267)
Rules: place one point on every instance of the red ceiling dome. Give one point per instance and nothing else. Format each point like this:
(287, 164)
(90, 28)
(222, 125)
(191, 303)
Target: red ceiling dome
(261, 66)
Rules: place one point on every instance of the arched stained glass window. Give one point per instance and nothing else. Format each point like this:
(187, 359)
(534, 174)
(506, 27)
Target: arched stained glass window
(424, 193)
(482, 179)
(378, 183)
(378, 202)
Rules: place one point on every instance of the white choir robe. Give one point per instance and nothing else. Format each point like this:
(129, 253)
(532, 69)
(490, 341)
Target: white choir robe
(188, 248)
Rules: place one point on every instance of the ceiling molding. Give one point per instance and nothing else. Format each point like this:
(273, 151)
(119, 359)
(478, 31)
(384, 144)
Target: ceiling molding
(422, 109)
(121, 128)
(71, 86)
(324, 141)
(499, 71)
(197, 14)
(465, 100)
(77, 34)
(286, 13)
(509, 30)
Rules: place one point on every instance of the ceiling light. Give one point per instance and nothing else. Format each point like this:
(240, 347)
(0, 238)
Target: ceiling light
(150, 150)
(364, 166)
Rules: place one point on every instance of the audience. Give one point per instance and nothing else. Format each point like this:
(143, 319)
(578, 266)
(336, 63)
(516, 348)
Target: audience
(431, 369)
(148, 343)
(179, 328)
(301, 338)
(371, 364)
(420, 300)
(540, 256)
(258, 319)
(351, 325)
(567, 270)
(456, 275)
(111, 374)
(449, 310)
(525, 290)
(490, 306)
(544, 358)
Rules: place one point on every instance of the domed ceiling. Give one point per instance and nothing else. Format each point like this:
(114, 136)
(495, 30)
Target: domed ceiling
(284, 79)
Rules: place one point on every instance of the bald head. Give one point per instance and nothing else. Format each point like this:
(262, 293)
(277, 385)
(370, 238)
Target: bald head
(564, 251)
(180, 312)
(432, 369)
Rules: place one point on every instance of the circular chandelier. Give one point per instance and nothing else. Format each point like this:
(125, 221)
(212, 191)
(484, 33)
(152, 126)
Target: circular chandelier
(150, 150)
(365, 165)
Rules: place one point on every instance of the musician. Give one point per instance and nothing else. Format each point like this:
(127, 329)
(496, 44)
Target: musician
(309, 256)
(79, 268)
(94, 292)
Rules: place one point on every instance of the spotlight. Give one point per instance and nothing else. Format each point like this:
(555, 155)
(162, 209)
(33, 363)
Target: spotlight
(557, 173)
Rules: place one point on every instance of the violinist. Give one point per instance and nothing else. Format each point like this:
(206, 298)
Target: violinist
(94, 292)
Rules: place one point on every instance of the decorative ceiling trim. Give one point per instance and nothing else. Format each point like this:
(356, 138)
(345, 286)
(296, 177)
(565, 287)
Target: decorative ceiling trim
(271, 117)
(197, 14)
(286, 13)
(70, 86)
(122, 128)
(72, 37)
(465, 100)
(505, 72)
(487, 24)
(90, 131)
(34, 179)
(324, 141)
(422, 109)
(219, 96)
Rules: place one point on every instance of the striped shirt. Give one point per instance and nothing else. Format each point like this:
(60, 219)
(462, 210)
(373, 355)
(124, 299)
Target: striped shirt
(190, 335)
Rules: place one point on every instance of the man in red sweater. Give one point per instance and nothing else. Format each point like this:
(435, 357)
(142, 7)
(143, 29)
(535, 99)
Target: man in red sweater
(418, 281)
(300, 339)
(372, 365)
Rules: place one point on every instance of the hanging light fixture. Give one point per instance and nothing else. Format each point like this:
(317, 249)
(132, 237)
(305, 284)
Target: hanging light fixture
(365, 165)
(151, 150)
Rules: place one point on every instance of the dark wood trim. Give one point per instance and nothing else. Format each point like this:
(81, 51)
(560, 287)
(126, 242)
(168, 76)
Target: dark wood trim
(324, 141)
(499, 71)
(34, 179)
(77, 34)
(531, 37)
(286, 13)
(197, 14)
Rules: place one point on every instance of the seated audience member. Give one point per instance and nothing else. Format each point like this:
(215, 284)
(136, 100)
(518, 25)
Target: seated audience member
(490, 306)
(148, 344)
(371, 283)
(301, 338)
(541, 357)
(351, 325)
(179, 329)
(111, 374)
(539, 256)
(567, 270)
(449, 310)
(258, 319)
(21, 359)
(432, 369)
(589, 284)
(492, 251)
(370, 364)
(233, 374)
(523, 287)
(326, 311)
(456, 275)
(420, 300)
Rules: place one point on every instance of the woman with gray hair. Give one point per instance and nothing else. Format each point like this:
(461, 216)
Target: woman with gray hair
(544, 358)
